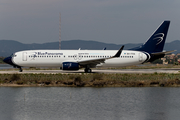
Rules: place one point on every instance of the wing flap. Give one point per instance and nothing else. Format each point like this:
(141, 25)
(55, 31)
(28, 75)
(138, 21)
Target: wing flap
(92, 61)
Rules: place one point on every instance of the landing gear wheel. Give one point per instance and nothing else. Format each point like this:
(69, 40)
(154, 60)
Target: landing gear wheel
(20, 69)
(87, 70)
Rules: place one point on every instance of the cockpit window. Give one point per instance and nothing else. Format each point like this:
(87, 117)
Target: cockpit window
(13, 55)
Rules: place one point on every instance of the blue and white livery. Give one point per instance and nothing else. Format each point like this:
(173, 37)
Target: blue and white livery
(76, 59)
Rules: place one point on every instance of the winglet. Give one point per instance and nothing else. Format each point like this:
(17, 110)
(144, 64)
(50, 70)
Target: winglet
(119, 52)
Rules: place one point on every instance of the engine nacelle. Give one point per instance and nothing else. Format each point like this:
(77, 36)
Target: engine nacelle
(70, 66)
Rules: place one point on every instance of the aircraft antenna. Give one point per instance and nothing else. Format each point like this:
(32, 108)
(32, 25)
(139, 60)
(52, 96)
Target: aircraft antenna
(59, 31)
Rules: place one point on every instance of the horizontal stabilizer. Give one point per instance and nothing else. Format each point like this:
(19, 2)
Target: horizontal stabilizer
(161, 53)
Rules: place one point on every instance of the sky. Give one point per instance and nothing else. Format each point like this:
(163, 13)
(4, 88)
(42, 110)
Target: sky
(108, 21)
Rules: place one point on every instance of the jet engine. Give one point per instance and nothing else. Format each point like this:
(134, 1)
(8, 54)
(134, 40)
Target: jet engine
(70, 66)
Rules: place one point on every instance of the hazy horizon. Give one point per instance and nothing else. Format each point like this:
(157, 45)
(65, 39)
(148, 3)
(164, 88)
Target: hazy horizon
(117, 22)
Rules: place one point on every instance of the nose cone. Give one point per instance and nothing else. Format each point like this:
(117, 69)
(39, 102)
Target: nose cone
(8, 60)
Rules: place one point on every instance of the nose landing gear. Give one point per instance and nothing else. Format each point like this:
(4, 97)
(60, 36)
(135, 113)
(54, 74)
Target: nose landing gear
(20, 69)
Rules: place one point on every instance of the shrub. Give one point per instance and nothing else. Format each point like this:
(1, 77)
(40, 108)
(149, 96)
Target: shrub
(15, 77)
(97, 76)
(77, 79)
(20, 82)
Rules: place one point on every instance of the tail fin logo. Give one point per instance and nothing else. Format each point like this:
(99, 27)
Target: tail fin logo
(159, 38)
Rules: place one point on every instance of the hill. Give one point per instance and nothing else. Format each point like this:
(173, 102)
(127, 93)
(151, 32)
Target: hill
(7, 47)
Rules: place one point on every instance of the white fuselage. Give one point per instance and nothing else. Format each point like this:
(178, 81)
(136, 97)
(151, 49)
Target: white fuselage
(55, 58)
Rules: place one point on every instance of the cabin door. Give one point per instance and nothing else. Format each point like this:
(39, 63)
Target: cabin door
(24, 56)
(140, 57)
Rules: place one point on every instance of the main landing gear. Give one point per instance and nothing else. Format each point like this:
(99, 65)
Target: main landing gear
(87, 70)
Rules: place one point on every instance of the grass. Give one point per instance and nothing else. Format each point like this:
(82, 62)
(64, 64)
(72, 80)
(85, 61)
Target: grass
(93, 80)
(149, 66)
(146, 66)
(1, 60)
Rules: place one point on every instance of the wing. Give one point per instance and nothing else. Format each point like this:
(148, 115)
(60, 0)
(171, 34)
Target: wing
(94, 62)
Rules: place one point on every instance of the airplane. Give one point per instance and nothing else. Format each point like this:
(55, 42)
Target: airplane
(151, 50)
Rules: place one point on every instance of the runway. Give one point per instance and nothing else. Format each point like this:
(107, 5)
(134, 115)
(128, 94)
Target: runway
(123, 71)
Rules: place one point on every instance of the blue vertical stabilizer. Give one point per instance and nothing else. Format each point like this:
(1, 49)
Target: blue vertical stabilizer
(156, 42)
